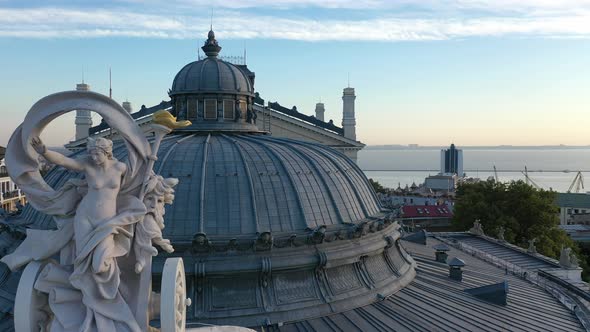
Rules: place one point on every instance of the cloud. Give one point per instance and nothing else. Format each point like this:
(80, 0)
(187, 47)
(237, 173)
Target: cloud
(72, 23)
(462, 6)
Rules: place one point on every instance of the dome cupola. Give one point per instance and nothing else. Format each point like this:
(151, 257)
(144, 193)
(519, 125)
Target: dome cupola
(211, 47)
(215, 95)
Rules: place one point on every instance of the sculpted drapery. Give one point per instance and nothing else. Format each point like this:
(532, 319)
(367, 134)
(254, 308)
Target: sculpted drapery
(94, 287)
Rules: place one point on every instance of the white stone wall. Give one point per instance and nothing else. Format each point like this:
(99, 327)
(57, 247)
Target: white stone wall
(286, 129)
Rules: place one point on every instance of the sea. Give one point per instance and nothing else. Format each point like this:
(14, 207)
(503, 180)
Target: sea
(549, 167)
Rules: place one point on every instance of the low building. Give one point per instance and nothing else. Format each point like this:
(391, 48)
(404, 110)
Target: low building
(578, 232)
(11, 197)
(441, 182)
(429, 217)
(573, 208)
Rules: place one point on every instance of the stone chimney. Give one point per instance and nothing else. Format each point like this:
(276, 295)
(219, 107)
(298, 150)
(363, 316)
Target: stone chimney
(83, 117)
(319, 111)
(348, 119)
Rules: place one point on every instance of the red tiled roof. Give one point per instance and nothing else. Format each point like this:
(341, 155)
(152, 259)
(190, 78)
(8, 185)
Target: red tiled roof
(426, 211)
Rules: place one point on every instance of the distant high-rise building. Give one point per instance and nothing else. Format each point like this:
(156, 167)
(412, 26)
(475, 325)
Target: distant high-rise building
(451, 161)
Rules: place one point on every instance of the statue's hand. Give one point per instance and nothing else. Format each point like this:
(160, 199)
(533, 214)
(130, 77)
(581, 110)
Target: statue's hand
(38, 145)
(166, 246)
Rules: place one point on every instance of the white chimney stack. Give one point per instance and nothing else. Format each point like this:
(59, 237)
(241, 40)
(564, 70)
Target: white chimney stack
(319, 111)
(348, 119)
(127, 107)
(83, 117)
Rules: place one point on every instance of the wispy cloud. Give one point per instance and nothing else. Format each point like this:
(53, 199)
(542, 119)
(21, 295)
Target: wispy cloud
(463, 8)
(75, 23)
(451, 5)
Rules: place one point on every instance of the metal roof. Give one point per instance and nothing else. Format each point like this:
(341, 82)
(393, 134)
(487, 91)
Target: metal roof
(211, 75)
(243, 184)
(434, 302)
(505, 251)
(573, 200)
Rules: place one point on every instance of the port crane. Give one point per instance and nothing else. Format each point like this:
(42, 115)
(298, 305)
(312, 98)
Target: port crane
(577, 184)
(528, 180)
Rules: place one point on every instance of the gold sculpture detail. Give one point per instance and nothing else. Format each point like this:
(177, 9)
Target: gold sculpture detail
(166, 119)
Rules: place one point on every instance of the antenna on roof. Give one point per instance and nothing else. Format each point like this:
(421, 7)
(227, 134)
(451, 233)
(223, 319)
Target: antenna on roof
(349, 79)
(82, 74)
(211, 26)
(245, 52)
(110, 84)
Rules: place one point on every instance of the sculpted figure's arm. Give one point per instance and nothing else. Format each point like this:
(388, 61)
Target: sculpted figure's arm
(55, 157)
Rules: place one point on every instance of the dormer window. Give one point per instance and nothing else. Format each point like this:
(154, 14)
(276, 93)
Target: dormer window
(210, 109)
(228, 109)
(178, 106)
(191, 109)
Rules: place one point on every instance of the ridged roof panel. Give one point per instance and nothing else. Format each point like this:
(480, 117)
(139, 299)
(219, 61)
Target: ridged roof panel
(242, 184)
(211, 75)
(434, 302)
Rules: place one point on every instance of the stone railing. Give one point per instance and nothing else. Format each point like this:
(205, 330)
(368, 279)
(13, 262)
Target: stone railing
(578, 305)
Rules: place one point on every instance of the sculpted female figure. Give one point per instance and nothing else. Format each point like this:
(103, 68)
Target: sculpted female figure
(103, 174)
(92, 272)
(102, 233)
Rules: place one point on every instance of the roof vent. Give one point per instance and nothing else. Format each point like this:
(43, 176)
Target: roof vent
(496, 293)
(455, 271)
(418, 237)
(441, 252)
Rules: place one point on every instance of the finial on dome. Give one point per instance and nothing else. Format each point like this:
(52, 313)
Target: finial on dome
(211, 47)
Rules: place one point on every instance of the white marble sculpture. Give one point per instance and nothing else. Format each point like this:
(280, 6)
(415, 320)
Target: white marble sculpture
(532, 249)
(501, 232)
(564, 257)
(568, 259)
(477, 228)
(94, 272)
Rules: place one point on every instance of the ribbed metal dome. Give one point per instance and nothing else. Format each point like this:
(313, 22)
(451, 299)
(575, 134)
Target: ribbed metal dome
(211, 75)
(237, 185)
(271, 230)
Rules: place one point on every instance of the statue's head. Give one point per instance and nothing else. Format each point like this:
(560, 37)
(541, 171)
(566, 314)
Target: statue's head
(100, 149)
(199, 240)
(159, 191)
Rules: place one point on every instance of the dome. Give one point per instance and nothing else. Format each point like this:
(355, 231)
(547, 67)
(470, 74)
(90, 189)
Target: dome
(211, 75)
(240, 185)
(271, 230)
(214, 94)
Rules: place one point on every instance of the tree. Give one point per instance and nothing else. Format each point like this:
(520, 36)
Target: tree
(377, 186)
(523, 211)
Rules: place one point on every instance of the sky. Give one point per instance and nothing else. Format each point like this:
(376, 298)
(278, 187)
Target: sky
(425, 72)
